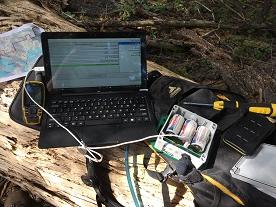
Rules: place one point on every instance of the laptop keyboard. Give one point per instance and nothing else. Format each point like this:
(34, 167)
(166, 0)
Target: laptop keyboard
(85, 111)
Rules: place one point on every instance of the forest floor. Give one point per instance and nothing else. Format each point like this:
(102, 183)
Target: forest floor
(244, 34)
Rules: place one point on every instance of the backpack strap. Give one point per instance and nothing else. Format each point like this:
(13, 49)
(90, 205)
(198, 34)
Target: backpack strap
(160, 176)
(190, 176)
(92, 179)
(186, 172)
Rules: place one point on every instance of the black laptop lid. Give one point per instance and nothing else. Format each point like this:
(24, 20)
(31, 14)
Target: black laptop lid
(94, 62)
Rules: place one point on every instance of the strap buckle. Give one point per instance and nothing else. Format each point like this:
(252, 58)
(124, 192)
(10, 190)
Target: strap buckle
(168, 172)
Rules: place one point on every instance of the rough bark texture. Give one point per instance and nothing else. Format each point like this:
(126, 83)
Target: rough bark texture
(166, 24)
(16, 13)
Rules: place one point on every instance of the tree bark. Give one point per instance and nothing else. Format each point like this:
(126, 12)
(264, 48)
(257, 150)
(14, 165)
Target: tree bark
(16, 13)
(164, 24)
(170, 44)
(168, 24)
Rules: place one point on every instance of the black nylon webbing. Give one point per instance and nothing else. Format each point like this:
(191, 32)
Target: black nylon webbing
(160, 176)
(92, 180)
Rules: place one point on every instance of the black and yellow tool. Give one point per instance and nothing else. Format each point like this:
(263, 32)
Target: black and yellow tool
(31, 112)
(265, 109)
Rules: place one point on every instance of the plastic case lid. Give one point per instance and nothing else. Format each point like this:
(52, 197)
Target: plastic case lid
(258, 169)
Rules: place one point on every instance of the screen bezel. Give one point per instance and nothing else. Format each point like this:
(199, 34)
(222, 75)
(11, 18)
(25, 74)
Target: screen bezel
(89, 35)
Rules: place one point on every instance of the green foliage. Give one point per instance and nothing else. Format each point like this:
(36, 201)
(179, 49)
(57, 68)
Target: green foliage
(248, 48)
(179, 5)
(127, 9)
(162, 6)
(157, 7)
(201, 63)
(153, 34)
(68, 13)
(202, 69)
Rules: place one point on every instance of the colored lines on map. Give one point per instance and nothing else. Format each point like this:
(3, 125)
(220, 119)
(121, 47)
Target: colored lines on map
(24, 38)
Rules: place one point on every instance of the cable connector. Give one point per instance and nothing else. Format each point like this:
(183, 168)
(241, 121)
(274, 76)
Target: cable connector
(38, 69)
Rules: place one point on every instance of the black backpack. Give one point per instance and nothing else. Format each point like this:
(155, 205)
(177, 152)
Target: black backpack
(213, 185)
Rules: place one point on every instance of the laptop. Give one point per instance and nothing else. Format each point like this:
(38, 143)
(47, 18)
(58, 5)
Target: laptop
(96, 86)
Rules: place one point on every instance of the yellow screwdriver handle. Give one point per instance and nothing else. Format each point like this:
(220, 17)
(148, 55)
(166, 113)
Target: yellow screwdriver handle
(219, 105)
(273, 106)
(266, 110)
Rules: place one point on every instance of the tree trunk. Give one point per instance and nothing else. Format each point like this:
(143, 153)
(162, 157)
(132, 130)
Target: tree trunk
(17, 12)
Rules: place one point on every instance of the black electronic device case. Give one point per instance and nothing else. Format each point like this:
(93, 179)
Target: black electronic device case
(248, 133)
(15, 110)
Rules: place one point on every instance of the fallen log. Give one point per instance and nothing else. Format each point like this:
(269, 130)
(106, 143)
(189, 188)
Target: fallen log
(168, 24)
(165, 24)
(16, 13)
(170, 44)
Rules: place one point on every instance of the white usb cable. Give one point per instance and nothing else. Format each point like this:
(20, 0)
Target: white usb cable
(92, 154)
(135, 141)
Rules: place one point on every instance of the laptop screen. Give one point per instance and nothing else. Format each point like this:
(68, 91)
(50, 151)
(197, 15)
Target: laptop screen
(95, 62)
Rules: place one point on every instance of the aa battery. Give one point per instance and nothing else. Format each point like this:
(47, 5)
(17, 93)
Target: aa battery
(188, 131)
(175, 124)
(201, 138)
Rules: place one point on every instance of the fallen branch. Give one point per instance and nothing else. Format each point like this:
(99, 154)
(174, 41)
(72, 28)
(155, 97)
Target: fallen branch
(162, 24)
(211, 32)
(241, 15)
(170, 44)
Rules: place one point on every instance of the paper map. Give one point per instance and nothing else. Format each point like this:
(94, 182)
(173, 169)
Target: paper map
(19, 50)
